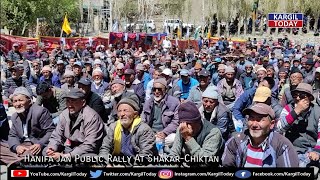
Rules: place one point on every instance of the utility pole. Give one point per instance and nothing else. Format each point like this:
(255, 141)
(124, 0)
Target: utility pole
(110, 14)
(203, 21)
(81, 16)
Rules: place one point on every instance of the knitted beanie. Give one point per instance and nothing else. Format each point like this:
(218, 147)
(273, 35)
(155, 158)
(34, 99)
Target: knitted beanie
(131, 101)
(188, 112)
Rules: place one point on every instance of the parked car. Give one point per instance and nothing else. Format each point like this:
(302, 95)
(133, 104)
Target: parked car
(140, 25)
(172, 23)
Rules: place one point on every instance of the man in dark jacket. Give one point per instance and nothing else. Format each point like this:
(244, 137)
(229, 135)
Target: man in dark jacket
(93, 100)
(246, 99)
(31, 128)
(133, 84)
(17, 80)
(259, 146)
(300, 123)
(51, 98)
(216, 112)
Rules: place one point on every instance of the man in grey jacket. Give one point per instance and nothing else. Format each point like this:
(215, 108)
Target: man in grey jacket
(30, 131)
(128, 136)
(79, 131)
(196, 138)
(195, 94)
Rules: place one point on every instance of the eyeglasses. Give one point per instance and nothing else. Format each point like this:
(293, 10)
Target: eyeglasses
(35, 66)
(119, 69)
(155, 89)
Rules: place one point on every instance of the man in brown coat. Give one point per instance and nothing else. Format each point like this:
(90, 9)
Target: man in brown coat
(79, 131)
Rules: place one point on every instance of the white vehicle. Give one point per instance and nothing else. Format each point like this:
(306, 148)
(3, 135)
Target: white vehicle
(172, 23)
(140, 25)
(185, 25)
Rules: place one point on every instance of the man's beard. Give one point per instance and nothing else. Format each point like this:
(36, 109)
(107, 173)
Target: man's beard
(158, 99)
(97, 81)
(20, 110)
(118, 94)
(128, 84)
(293, 87)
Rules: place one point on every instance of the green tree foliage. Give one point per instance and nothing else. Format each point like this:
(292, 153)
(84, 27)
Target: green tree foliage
(18, 15)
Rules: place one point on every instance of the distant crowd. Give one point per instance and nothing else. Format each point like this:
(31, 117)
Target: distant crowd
(257, 106)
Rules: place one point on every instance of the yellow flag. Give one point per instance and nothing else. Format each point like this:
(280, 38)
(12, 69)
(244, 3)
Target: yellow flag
(179, 34)
(66, 26)
(209, 34)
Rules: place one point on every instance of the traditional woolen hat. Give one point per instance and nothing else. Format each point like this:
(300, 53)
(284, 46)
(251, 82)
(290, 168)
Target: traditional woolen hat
(161, 81)
(133, 102)
(188, 112)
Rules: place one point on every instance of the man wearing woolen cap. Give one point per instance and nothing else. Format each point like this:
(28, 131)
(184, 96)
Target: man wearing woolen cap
(229, 87)
(31, 129)
(111, 98)
(195, 137)
(129, 135)
(212, 110)
(216, 77)
(98, 85)
(259, 145)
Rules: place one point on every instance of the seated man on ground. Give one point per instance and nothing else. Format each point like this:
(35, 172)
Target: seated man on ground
(80, 130)
(31, 129)
(129, 135)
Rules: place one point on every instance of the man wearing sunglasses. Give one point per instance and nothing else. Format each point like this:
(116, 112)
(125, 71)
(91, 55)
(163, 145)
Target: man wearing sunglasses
(160, 112)
(300, 123)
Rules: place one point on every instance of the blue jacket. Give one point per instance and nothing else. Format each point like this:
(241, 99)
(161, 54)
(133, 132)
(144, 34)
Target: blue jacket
(54, 80)
(101, 89)
(242, 102)
(185, 88)
(145, 79)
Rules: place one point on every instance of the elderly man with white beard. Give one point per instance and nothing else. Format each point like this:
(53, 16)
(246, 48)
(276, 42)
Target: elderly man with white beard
(98, 86)
(111, 98)
(31, 129)
(160, 112)
(129, 135)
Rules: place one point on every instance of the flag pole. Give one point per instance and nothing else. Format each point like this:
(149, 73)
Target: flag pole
(62, 26)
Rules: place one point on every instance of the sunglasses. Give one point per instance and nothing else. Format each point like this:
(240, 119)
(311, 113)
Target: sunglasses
(155, 89)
